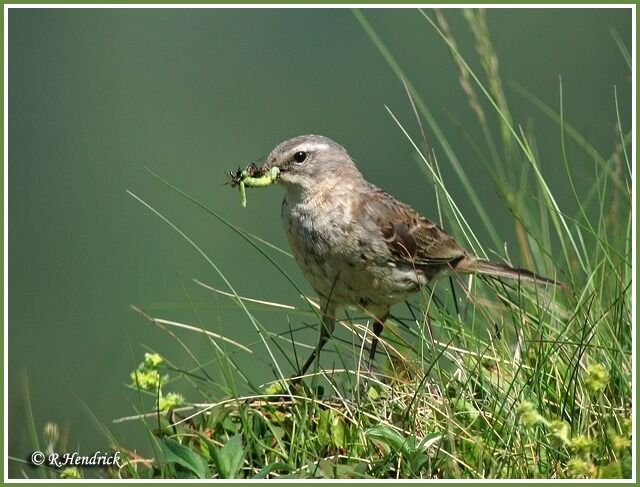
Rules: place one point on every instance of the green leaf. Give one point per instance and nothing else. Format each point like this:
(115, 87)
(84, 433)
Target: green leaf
(332, 429)
(230, 457)
(174, 452)
(464, 406)
(429, 440)
(417, 461)
(338, 431)
(388, 436)
(324, 428)
(270, 468)
(331, 470)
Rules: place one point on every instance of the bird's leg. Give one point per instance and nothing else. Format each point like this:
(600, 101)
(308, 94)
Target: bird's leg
(326, 330)
(377, 331)
(378, 326)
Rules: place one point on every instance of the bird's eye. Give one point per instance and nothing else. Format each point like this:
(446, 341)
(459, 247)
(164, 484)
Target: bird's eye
(300, 157)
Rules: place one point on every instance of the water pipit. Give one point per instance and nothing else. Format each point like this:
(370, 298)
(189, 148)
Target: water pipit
(356, 244)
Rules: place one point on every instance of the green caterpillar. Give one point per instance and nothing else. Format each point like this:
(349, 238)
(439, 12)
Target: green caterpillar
(244, 180)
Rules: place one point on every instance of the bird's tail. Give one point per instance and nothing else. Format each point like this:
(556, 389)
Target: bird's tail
(473, 265)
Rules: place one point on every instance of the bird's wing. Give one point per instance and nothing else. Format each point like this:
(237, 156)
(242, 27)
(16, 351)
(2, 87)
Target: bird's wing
(410, 237)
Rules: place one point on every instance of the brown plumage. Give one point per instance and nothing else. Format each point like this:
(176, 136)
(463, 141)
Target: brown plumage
(418, 241)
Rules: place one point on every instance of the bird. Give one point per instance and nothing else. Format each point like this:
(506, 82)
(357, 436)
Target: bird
(357, 245)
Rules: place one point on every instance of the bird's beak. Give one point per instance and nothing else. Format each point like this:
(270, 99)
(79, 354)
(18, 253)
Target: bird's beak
(269, 169)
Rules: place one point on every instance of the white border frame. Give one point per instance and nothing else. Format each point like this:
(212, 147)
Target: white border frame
(7, 7)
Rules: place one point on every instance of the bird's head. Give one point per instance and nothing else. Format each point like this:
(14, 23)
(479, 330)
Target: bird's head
(307, 162)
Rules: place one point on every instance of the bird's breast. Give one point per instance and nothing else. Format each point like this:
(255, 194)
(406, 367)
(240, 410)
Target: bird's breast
(313, 228)
(338, 257)
(318, 233)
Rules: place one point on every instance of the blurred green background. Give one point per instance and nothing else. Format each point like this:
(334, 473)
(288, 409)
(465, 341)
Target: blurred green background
(97, 95)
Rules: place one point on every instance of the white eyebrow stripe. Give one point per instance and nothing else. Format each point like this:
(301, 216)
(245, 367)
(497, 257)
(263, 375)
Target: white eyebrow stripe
(314, 146)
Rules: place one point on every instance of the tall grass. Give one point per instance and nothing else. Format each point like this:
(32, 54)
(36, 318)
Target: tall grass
(478, 378)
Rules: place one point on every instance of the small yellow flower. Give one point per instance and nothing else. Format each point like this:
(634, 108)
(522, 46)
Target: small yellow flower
(581, 444)
(597, 377)
(152, 360)
(581, 468)
(148, 380)
(529, 414)
(618, 442)
(559, 432)
(276, 388)
(70, 473)
(171, 401)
